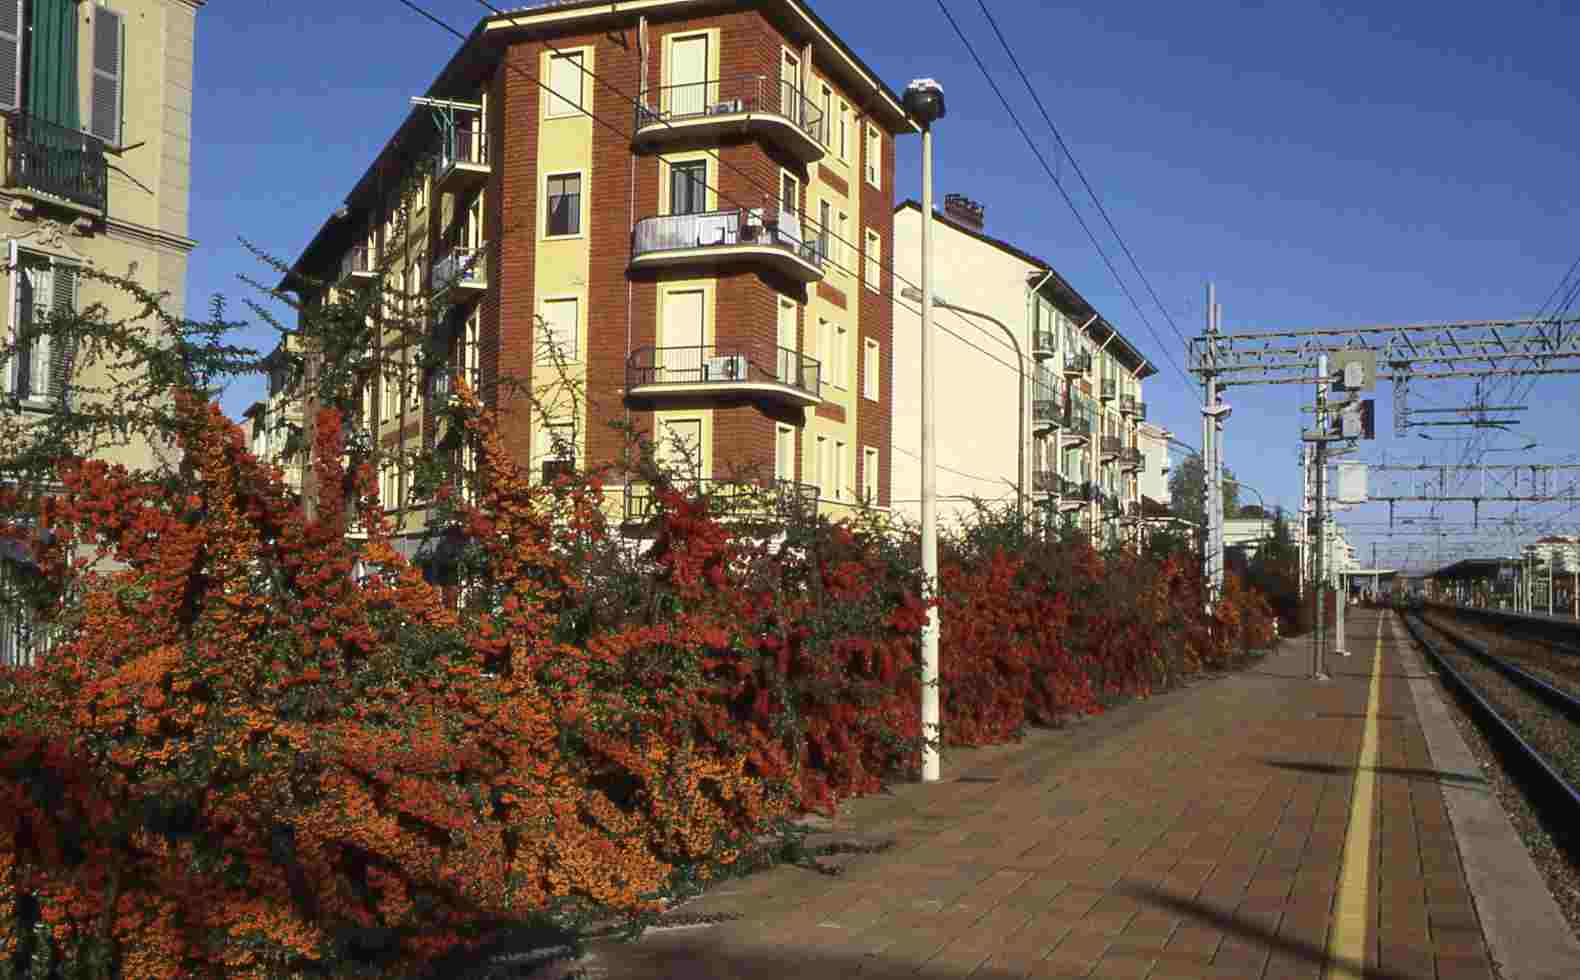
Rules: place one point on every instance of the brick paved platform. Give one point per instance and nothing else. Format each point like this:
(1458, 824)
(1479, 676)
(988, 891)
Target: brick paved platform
(1199, 834)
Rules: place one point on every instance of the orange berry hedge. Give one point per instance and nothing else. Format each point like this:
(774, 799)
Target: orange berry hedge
(262, 745)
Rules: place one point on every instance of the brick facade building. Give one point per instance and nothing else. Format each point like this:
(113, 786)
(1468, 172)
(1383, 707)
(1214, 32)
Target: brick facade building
(670, 216)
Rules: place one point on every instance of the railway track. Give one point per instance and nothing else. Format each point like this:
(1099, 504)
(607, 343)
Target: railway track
(1535, 721)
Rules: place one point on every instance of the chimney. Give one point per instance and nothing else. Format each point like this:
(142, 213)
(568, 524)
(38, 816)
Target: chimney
(962, 210)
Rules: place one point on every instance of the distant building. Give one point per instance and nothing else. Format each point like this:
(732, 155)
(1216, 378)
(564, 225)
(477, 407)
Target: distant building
(1083, 401)
(273, 423)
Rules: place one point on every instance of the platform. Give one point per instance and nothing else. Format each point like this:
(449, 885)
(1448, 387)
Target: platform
(1243, 827)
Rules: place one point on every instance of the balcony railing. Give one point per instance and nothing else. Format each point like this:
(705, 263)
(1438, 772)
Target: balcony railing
(1077, 362)
(731, 365)
(1141, 411)
(770, 500)
(1127, 404)
(1078, 424)
(463, 150)
(754, 94)
(1109, 502)
(56, 161)
(1109, 447)
(357, 264)
(463, 267)
(1108, 389)
(1131, 460)
(1044, 343)
(1047, 412)
(724, 229)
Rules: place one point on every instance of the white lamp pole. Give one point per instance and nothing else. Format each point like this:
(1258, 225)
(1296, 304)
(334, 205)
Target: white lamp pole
(924, 100)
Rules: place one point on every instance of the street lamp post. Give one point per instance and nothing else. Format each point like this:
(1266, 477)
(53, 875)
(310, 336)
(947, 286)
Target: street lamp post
(924, 101)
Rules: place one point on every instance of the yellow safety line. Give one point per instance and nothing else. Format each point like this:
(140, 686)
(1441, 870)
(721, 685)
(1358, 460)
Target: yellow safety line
(1347, 938)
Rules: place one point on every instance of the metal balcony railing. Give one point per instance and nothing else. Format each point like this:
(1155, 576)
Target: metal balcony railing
(723, 364)
(1141, 411)
(1077, 363)
(1109, 502)
(1047, 411)
(56, 161)
(1109, 446)
(1045, 481)
(729, 96)
(730, 499)
(722, 229)
(464, 145)
(1108, 389)
(1078, 424)
(460, 267)
(1131, 460)
(1127, 404)
(1044, 343)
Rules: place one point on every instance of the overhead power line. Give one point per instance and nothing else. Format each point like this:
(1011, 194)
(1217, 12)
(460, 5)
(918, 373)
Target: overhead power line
(1076, 165)
(1041, 159)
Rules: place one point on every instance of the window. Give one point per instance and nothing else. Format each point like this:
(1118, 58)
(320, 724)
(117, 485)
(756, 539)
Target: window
(389, 485)
(557, 450)
(839, 470)
(679, 447)
(565, 83)
(561, 328)
(41, 286)
(844, 132)
(869, 476)
(841, 338)
(874, 157)
(826, 106)
(565, 205)
(831, 348)
(391, 386)
(109, 49)
(789, 194)
(841, 237)
(784, 453)
(824, 219)
(874, 270)
(824, 466)
(869, 369)
(688, 187)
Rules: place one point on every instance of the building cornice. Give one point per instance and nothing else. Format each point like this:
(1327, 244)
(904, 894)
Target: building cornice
(131, 231)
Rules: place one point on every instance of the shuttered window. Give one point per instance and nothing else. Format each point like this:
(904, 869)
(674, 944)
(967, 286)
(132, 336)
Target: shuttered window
(40, 368)
(10, 54)
(565, 84)
(108, 74)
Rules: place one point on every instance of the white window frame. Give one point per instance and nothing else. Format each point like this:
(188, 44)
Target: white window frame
(873, 271)
(572, 355)
(841, 451)
(826, 92)
(784, 452)
(872, 365)
(581, 206)
(841, 348)
(841, 241)
(821, 463)
(844, 131)
(872, 157)
(45, 353)
(870, 465)
(552, 98)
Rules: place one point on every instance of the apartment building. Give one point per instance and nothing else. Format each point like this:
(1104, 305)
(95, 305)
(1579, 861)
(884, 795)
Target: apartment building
(1070, 438)
(271, 423)
(668, 214)
(1153, 480)
(97, 101)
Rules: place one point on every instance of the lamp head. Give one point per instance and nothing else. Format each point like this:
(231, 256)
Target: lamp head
(924, 101)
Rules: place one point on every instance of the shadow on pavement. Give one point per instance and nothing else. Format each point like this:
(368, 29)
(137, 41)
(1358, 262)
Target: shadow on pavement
(1226, 921)
(1424, 775)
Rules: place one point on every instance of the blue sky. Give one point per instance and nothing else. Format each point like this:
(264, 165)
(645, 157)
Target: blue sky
(1326, 164)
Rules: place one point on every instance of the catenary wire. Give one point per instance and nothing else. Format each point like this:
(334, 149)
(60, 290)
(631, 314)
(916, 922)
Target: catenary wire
(1037, 152)
(1075, 164)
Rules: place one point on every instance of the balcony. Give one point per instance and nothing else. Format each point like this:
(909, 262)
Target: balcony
(750, 370)
(1141, 411)
(771, 501)
(55, 164)
(1044, 344)
(1047, 414)
(1078, 363)
(1132, 512)
(772, 239)
(1109, 504)
(356, 267)
(1131, 460)
(1074, 496)
(1108, 448)
(1077, 430)
(1108, 389)
(700, 113)
(462, 161)
(1127, 405)
(463, 269)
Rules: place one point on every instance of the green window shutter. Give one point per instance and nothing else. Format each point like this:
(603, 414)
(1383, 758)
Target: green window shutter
(10, 54)
(52, 62)
(63, 350)
(109, 48)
